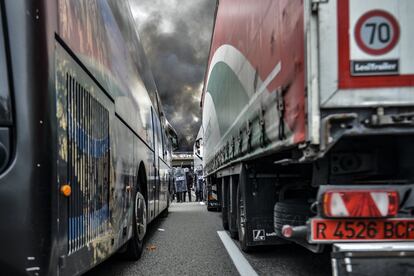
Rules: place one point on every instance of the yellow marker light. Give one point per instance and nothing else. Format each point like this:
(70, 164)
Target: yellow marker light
(66, 190)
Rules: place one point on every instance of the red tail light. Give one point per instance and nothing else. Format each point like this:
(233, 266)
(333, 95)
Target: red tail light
(367, 204)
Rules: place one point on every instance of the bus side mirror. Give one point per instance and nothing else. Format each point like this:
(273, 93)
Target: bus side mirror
(172, 135)
(174, 142)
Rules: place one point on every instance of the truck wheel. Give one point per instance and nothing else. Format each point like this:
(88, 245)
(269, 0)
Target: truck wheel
(225, 206)
(241, 220)
(232, 208)
(290, 212)
(135, 244)
(234, 234)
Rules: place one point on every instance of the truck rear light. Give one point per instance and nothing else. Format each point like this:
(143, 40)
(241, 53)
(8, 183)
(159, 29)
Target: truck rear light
(287, 231)
(366, 204)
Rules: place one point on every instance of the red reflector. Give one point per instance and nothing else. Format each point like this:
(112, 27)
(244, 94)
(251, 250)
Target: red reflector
(287, 231)
(367, 204)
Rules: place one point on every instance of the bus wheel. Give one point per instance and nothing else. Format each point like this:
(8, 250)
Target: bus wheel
(135, 244)
(241, 219)
(165, 213)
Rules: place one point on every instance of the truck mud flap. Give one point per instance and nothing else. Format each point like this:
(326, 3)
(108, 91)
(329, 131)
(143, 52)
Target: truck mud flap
(260, 231)
(260, 197)
(395, 258)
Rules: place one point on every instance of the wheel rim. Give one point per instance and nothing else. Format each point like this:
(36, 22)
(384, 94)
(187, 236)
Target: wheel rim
(242, 218)
(140, 216)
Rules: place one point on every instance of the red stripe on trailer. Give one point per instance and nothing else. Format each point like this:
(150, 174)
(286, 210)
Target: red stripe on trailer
(254, 28)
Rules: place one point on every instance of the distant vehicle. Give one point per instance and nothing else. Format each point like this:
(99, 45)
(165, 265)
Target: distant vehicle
(308, 119)
(85, 148)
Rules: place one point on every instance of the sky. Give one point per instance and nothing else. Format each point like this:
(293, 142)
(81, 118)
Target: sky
(176, 37)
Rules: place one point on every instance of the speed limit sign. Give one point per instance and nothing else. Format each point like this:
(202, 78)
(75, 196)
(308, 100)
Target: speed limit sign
(377, 32)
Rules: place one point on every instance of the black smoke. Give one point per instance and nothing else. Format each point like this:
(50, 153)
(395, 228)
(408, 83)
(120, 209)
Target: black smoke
(176, 38)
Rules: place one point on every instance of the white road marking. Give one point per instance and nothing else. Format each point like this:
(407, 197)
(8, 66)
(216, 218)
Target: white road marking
(240, 262)
(35, 268)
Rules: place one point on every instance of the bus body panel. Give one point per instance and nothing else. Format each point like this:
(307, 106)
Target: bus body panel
(62, 54)
(30, 179)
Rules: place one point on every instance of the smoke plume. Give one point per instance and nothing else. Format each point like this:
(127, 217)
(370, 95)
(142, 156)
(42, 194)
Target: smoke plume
(176, 38)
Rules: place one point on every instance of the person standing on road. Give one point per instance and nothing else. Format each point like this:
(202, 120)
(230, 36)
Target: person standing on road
(189, 177)
(199, 184)
(180, 184)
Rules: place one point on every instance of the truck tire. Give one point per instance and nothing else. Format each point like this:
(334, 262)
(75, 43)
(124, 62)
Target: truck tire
(290, 212)
(234, 234)
(225, 220)
(225, 206)
(135, 245)
(232, 208)
(241, 221)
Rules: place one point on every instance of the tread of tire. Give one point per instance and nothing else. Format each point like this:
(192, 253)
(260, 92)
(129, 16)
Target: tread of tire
(292, 213)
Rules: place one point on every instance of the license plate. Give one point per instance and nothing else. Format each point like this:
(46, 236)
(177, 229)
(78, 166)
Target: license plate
(349, 230)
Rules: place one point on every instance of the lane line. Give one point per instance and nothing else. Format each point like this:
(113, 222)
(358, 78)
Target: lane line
(243, 266)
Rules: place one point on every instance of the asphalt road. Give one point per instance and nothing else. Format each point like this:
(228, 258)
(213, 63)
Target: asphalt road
(187, 243)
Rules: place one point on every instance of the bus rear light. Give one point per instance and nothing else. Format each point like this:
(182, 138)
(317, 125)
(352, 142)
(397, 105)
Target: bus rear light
(66, 190)
(366, 204)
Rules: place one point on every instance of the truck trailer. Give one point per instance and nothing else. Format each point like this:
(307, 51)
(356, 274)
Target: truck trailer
(308, 109)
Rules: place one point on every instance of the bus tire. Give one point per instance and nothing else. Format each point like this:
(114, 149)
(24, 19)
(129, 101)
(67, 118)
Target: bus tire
(241, 219)
(136, 244)
(164, 213)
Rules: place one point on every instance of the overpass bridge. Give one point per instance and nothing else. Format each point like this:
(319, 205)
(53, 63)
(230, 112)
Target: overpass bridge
(183, 159)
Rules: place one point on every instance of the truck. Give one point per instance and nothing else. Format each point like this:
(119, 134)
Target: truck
(307, 117)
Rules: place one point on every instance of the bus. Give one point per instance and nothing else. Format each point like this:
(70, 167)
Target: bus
(85, 146)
